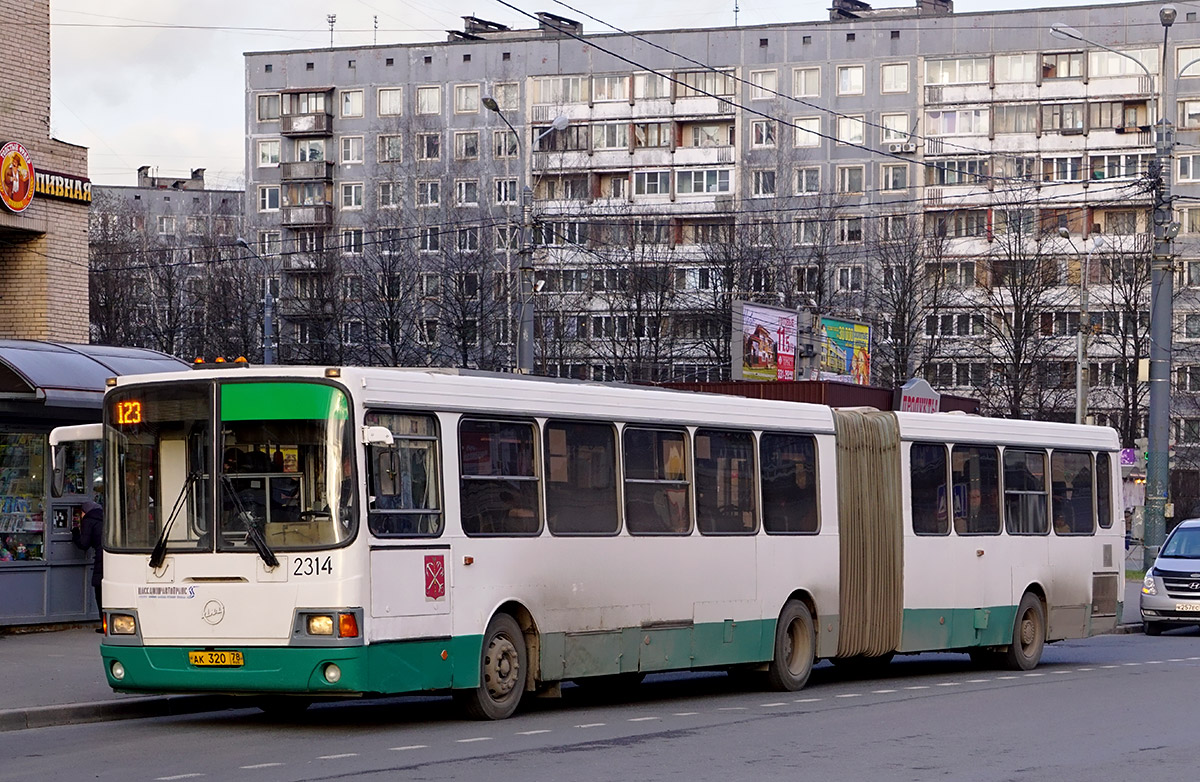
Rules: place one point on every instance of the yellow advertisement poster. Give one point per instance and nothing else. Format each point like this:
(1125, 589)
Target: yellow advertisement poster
(846, 349)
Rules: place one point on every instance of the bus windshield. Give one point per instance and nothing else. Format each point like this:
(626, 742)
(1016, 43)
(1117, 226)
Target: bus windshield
(278, 473)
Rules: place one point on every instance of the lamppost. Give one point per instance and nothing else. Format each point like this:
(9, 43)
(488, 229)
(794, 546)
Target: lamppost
(1161, 293)
(1085, 328)
(525, 332)
(268, 305)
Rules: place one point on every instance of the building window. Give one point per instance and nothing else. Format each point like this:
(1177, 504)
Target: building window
(712, 180)
(269, 243)
(806, 82)
(429, 100)
(895, 176)
(352, 195)
(1062, 169)
(268, 107)
(507, 96)
(850, 80)
(389, 195)
(850, 179)
(850, 278)
(466, 99)
(702, 84)
(651, 183)
(1062, 65)
(391, 150)
(762, 133)
(352, 103)
(956, 122)
(1014, 68)
(1062, 117)
(430, 239)
(650, 86)
(391, 101)
(850, 130)
(962, 71)
(808, 131)
(652, 134)
(1016, 118)
(893, 77)
(808, 179)
(268, 153)
(1189, 171)
(504, 144)
(895, 127)
(762, 183)
(964, 171)
(310, 150)
(557, 90)
(428, 192)
(166, 225)
(268, 198)
(808, 232)
(352, 149)
(850, 230)
(610, 136)
(506, 191)
(763, 84)
(429, 146)
(352, 241)
(466, 145)
(466, 192)
(610, 88)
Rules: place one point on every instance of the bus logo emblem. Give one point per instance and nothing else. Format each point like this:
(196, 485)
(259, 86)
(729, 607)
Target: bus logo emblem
(435, 576)
(214, 612)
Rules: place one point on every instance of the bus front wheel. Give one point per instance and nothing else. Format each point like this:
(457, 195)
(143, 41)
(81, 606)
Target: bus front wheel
(1029, 634)
(795, 645)
(502, 667)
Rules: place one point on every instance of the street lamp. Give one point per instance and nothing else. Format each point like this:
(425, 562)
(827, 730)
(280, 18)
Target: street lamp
(525, 332)
(1161, 292)
(1085, 328)
(268, 305)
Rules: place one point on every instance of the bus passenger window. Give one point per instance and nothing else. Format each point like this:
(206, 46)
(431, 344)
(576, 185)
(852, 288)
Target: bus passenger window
(975, 490)
(930, 505)
(1103, 491)
(1025, 492)
(789, 483)
(1071, 492)
(657, 499)
(725, 482)
(498, 492)
(404, 487)
(581, 478)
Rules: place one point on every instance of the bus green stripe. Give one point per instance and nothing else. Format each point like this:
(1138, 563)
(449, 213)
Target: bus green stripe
(281, 401)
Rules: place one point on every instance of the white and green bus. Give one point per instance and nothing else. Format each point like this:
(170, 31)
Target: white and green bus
(336, 532)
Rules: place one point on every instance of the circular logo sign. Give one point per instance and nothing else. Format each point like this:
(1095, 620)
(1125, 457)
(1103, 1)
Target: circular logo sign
(214, 612)
(16, 177)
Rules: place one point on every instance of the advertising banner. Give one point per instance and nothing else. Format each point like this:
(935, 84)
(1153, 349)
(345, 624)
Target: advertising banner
(846, 350)
(765, 337)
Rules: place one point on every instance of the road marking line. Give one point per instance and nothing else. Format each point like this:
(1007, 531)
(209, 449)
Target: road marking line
(1109, 666)
(1081, 670)
(591, 725)
(338, 757)
(1194, 658)
(1154, 662)
(685, 713)
(261, 765)
(918, 687)
(1061, 672)
(1034, 674)
(771, 705)
(977, 681)
(643, 719)
(732, 708)
(1005, 678)
(806, 700)
(531, 732)
(1175, 660)
(179, 776)
(477, 738)
(1131, 663)
(948, 684)
(881, 692)
(410, 746)
(850, 695)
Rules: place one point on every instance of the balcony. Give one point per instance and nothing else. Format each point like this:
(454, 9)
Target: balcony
(311, 214)
(700, 156)
(318, 169)
(295, 125)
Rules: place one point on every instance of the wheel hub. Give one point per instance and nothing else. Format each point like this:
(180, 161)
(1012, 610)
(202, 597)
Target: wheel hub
(501, 668)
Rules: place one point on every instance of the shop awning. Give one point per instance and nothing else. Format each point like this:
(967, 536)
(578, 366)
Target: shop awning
(60, 374)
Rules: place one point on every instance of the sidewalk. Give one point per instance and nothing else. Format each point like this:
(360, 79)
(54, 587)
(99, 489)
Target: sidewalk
(60, 680)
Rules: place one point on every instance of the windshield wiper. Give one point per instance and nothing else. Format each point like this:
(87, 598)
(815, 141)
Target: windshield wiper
(160, 546)
(260, 544)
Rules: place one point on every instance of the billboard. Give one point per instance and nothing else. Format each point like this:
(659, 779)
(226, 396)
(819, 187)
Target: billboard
(846, 350)
(764, 342)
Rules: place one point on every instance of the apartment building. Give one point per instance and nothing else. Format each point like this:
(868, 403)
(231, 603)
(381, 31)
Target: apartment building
(166, 272)
(956, 180)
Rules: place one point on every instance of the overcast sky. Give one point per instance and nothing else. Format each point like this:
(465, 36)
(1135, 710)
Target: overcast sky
(161, 83)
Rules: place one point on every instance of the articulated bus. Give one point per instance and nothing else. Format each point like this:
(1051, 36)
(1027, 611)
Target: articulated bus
(304, 533)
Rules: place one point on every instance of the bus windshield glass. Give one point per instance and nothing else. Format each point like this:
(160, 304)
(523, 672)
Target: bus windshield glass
(287, 466)
(157, 446)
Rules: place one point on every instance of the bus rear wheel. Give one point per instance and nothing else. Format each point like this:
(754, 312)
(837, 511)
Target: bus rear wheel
(795, 646)
(502, 666)
(1029, 635)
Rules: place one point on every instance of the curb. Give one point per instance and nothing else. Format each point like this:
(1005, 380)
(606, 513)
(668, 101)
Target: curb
(129, 709)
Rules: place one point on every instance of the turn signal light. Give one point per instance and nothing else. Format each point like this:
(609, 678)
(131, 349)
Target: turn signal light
(347, 626)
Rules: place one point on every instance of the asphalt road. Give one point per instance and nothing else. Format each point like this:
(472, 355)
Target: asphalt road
(1115, 707)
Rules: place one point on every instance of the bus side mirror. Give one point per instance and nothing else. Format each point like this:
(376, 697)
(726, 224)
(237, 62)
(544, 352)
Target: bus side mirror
(58, 469)
(59, 437)
(377, 435)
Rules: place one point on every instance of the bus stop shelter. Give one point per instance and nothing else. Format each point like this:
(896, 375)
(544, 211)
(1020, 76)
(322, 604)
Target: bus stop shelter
(44, 577)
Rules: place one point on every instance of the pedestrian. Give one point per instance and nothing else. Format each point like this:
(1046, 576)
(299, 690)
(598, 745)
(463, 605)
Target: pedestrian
(89, 534)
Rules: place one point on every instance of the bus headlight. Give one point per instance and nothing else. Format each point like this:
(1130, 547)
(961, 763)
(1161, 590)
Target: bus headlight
(122, 624)
(118, 670)
(320, 624)
(1148, 587)
(333, 674)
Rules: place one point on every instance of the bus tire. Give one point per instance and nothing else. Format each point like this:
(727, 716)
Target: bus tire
(502, 666)
(1029, 635)
(795, 648)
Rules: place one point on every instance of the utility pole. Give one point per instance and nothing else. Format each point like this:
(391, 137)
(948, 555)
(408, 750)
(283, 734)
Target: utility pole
(331, 18)
(268, 305)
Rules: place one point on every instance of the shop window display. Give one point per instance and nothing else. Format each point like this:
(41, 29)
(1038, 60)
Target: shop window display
(22, 496)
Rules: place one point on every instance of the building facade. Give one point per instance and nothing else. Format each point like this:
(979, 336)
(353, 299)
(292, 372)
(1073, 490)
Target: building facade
(976, 188)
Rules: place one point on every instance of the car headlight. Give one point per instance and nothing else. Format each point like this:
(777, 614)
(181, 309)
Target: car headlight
(1148, 587)
(122, 624)
(320, 624)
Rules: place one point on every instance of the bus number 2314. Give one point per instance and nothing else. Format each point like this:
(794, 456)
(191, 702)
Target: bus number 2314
(312, 566)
